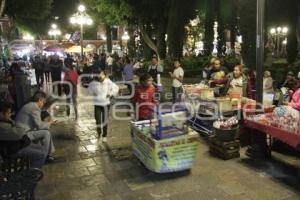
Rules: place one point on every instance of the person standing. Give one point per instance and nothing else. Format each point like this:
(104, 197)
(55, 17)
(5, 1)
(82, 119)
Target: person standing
(128, 74)
(217, 77)
(56, 70)
(102, 89)
(268, 83)
(239, 83)
(177, 78)
(144, 98)
(109, 62)
(39, 70)
(70, 88)
(47, 68)
(154, 69)
(21, 85)
(103, 62)
(96, 64)
(117, 70)
(68, 61)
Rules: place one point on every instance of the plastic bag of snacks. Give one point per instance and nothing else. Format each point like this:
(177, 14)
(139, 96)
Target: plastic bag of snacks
(286, 111)
(226, 124)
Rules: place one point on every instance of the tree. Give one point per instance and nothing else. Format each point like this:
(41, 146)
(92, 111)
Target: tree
(247, 9)
(285, 13)
(2, 6)
(180, 12)
(209, 26)
(227, 18)
(221, 17)
(10, 34)
(292, 42)
(29, 14)
(109, 13)
(60, 15)
(151, 18)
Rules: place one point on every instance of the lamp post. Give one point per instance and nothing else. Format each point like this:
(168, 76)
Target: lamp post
(278, 33)
(81, 18)
(54, 31)
(260, 12)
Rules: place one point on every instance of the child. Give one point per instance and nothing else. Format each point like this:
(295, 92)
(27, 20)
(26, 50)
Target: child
(143, 99)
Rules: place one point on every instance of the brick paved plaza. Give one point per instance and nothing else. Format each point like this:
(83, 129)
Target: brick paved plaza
(87, 169)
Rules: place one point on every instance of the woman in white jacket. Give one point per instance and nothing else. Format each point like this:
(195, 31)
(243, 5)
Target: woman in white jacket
(102, 89)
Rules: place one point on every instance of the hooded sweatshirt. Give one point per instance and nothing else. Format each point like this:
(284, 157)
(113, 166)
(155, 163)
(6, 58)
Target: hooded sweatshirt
(10, 130)
(102, 91)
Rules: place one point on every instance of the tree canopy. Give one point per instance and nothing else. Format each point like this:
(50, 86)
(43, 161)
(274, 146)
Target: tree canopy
(29, 14)
(153, 20)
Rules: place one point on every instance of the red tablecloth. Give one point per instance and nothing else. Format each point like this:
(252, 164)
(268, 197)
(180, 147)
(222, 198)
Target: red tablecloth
(285, 136)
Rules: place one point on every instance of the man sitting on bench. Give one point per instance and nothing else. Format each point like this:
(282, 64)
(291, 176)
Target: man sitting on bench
(13, 137)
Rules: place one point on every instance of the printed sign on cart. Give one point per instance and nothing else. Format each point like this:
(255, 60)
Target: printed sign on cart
(168, 155)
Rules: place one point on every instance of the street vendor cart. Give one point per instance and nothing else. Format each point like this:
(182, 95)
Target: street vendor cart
(205, 108)
(171, 154)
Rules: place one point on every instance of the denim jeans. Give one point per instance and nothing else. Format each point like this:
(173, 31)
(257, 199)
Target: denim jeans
(42, 138)
(101, 116)
(35, 154)
(73, 99)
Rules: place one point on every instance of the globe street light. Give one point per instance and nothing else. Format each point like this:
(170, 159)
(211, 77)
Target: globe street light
(54, 31)
(285, 30)
(272, 31)
(54, 26)
(279, 29)
(81, 8)
(278, 33)
(81, 18)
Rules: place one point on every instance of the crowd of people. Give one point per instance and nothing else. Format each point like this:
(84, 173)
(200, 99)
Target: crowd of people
(25, 120)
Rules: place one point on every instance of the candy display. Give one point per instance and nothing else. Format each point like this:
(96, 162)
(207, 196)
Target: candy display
(285, 111)
(285, 122)
(226, 124)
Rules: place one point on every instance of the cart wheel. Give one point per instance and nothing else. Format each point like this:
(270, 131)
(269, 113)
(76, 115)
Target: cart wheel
(187, 171)
(142, 164)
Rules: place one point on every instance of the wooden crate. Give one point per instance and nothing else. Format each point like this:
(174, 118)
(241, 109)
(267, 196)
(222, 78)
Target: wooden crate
(224, 150)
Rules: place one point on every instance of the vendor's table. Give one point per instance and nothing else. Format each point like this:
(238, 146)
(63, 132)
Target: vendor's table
(289, 138)
(165, 155)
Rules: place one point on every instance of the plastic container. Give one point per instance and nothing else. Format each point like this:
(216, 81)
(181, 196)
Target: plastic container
(224, 104)
(269, 109)
(226, 135)
(206, 93)
(235, 95)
